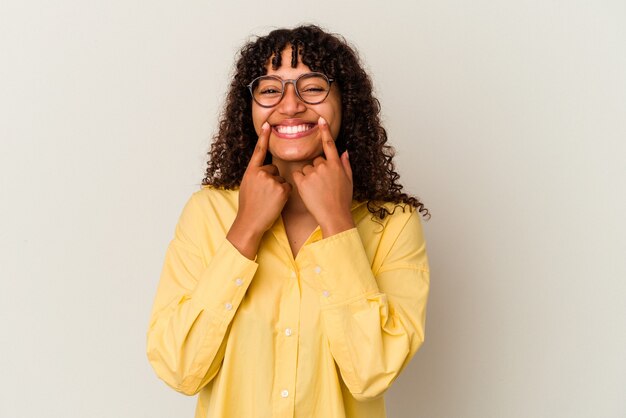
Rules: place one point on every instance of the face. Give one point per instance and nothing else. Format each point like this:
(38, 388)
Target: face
(306, 144)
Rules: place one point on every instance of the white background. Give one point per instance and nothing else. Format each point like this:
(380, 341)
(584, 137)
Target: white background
(509, 120)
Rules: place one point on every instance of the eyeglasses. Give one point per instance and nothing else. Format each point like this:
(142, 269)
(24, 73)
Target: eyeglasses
(311, 88)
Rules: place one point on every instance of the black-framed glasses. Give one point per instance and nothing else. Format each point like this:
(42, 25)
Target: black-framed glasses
(311, 88)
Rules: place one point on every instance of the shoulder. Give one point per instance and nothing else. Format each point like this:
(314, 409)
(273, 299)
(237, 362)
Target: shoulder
(211, 198)
(402, 219)
(397, 238)
(209, 209)
(398, 215)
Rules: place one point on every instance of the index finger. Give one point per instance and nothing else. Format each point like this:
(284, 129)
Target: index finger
(258, 156)
(330, 150)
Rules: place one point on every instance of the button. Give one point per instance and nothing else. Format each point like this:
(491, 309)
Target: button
(239, 281)
(326, 293)
(288, 332)
(284, 393)
(293, 274)
(228, 306)
(317, 269)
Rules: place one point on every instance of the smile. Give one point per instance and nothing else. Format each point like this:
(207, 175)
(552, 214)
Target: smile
(294, 131)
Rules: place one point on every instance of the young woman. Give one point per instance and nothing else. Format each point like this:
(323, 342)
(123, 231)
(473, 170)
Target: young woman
(297, 279)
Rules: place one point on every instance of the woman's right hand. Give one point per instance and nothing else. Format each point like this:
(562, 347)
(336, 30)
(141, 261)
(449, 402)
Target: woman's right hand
(262, 196)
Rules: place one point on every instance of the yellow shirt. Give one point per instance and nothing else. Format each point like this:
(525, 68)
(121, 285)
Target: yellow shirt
(323, 335)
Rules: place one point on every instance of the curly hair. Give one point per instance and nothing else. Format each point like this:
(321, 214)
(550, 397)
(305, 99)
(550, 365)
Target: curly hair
(361, 132)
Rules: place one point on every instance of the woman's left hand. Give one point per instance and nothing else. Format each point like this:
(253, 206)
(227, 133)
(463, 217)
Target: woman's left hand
(326, 187)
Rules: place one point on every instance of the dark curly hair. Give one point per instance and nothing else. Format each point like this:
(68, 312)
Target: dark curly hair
(361, 132)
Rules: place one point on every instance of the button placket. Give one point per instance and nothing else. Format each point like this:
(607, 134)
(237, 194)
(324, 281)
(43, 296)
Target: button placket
(287, 340)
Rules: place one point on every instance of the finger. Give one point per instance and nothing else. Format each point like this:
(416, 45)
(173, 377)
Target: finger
(258, 156)
(318, 160)
(297, 178)
(307, 169)
(280, 179)
(345, 161)
(287, 187)
(271, 169)
(330, 150)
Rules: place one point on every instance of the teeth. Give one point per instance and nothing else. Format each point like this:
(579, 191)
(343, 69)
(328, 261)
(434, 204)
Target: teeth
(293, 129)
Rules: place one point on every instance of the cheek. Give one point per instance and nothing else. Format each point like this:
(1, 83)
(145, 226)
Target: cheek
(259, 116)
(335, 110)
(336, 124)
(332, 113)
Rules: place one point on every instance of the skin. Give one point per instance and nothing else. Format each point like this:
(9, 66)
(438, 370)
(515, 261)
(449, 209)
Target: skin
(307, 183)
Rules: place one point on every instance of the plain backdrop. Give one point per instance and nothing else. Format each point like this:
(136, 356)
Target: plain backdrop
(509, 122)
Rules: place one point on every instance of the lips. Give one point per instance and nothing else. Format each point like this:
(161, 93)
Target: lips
(289, 131)
(283, 129)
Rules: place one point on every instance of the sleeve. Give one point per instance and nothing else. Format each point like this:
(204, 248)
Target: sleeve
(196, 300)
(374, 318)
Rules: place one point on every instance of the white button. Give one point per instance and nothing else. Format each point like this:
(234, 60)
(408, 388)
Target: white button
(318, 269)
(293, 274)
(228, 306)
(288, 332)
(284, 393)
(326, 293)
(239, 282)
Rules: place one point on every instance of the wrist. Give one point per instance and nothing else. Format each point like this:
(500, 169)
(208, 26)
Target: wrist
(245, 239)
(337, 225)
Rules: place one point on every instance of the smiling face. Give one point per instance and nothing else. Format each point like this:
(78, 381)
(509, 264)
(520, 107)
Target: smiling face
(295, 137)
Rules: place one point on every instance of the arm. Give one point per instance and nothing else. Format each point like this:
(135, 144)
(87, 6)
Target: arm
(199, 295)
(195, 303)
(374, 317)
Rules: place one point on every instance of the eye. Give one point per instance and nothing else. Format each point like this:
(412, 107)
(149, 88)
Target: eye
(268, 87)
(313, 89)
(313, 85)
(269, 91)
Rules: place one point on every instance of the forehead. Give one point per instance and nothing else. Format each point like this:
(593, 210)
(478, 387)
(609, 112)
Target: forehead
(286, 71)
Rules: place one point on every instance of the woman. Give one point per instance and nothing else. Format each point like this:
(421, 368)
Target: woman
(296, 283)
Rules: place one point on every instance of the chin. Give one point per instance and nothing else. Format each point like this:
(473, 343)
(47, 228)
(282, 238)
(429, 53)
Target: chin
(294, 157)
(304, 151)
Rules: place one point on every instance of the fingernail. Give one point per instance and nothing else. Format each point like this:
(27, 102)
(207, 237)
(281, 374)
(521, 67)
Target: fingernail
(321, 121)
(347, 155)
(265, 126)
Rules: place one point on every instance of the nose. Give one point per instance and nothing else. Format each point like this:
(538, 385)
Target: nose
(291, 103)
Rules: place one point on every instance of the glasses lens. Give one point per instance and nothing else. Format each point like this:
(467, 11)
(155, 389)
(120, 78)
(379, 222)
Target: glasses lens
(313, 88)
(267, 91)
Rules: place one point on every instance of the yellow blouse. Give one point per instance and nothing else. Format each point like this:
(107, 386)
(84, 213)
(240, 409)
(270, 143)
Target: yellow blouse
(321, 335)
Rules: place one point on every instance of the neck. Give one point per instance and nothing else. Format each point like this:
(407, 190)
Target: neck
(294, 204)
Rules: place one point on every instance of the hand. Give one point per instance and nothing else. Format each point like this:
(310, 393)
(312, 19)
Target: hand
(262, 196)
(326, 187)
